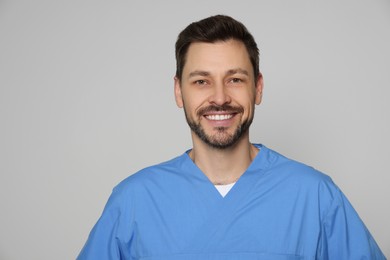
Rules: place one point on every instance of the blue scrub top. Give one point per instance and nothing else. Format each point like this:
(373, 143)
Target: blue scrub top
(278, 209)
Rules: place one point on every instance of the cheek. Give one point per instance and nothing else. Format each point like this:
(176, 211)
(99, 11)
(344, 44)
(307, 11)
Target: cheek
(249, 106)
(246, 100)
(190, 108)
(192, 102)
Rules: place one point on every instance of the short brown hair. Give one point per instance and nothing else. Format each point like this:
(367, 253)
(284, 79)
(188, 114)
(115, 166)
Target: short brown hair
(213, 29)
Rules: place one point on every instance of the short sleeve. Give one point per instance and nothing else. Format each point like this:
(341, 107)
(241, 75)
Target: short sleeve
(344, 235)
(107, 239)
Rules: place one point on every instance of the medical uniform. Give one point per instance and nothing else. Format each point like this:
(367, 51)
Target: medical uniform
(279, 209)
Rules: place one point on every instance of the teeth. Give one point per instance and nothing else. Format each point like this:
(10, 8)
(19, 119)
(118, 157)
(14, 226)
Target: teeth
(219, 117)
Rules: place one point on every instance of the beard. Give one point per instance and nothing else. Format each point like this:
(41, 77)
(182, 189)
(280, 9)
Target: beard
(222, 139)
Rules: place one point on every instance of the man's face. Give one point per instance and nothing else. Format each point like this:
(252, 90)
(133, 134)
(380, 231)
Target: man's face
(218, 92)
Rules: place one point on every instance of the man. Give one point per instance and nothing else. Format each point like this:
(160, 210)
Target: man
(226, 198)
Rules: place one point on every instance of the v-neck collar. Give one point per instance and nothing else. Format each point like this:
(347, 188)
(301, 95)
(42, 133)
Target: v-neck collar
(208, 189)
(221, 209)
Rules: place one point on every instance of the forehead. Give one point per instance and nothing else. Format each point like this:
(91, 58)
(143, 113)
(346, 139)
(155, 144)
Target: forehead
(218, 56)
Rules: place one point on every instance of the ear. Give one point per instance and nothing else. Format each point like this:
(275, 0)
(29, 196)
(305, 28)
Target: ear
(259, 89)
(178, 94)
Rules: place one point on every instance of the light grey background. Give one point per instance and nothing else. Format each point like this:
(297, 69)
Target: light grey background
(86, 99)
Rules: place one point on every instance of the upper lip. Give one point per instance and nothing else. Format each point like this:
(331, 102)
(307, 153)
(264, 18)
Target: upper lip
(220, 110)
(219, 113)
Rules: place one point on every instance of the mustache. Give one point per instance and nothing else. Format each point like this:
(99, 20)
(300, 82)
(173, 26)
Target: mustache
(215, 108)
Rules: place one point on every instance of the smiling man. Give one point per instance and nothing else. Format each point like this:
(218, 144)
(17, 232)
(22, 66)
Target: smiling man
(218, 89)
(226, 198)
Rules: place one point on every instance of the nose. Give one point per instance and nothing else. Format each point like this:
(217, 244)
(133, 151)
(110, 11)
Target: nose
(219, 95)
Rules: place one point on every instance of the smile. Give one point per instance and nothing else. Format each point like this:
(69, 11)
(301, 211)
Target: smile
(219, 117)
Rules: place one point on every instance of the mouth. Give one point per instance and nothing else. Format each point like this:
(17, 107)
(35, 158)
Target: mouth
(219, 117)
(220, 113)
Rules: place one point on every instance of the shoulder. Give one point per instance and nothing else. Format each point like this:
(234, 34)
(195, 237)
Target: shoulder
(148, 176)
(298, 180)
(287, 167)
(297, 176)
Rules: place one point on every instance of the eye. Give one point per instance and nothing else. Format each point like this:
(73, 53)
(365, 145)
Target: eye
(236, 80)
(200, 82)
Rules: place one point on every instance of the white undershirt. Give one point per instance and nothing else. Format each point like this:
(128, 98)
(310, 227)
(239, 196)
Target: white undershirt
(224, 189)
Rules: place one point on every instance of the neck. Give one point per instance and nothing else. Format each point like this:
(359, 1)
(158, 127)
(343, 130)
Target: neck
(223, 166)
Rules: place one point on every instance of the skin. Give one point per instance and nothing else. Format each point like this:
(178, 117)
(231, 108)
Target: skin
(216, 75)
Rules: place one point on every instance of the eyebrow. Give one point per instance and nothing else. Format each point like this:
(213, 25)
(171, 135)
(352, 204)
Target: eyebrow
(199, 73)
(229, 72)
(237, 71)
